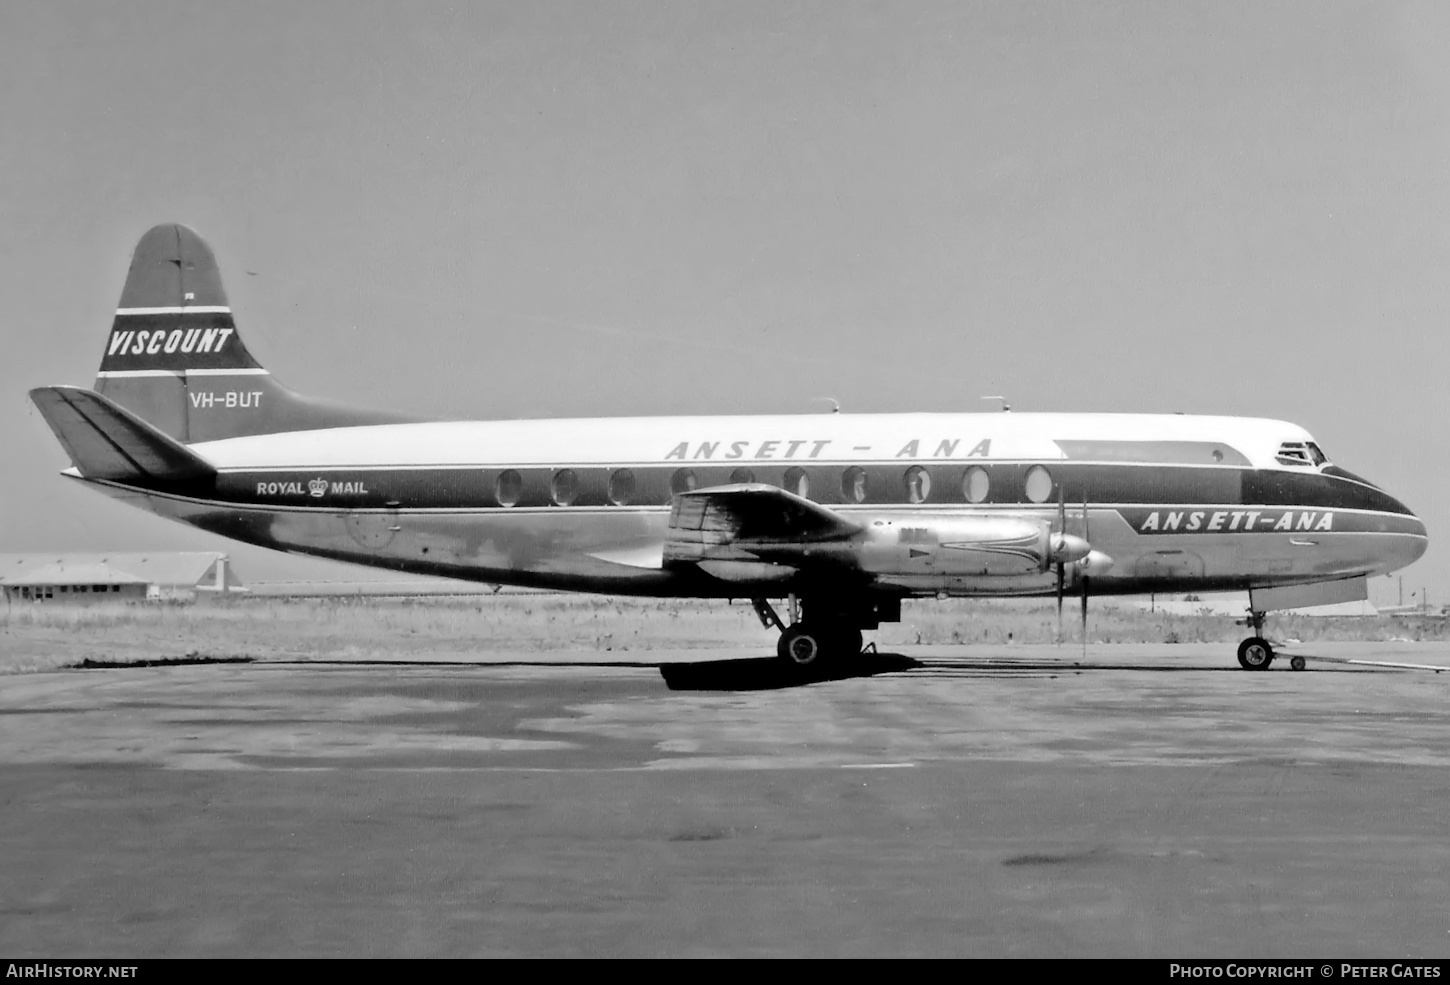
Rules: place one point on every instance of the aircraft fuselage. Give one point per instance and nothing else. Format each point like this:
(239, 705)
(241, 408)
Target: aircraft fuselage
(1178, 503)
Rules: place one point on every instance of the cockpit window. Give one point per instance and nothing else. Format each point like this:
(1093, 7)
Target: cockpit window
(1294, 453)
(1304, 453)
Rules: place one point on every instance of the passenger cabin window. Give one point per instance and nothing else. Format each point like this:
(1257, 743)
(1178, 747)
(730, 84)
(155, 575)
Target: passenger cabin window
(742, 475)
(508, 487)
(1039, 484)
(918, 484)
(975, 484)
(565, 487)
(798, 482)
(853, 484)
(621, 487)
(682, 481)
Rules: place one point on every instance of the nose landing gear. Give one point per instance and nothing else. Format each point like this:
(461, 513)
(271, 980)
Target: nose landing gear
(1257, 653)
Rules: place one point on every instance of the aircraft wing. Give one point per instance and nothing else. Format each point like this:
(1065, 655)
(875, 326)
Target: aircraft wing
(106, 441)
(747, 522)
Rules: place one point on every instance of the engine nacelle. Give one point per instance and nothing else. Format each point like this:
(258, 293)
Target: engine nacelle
(965, 545)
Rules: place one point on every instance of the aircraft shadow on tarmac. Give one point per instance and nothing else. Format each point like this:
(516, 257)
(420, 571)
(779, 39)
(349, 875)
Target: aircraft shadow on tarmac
(771, 673)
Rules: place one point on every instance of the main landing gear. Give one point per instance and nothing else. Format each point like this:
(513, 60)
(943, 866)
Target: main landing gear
(822, 634)
(803, 645)
(1256, 653)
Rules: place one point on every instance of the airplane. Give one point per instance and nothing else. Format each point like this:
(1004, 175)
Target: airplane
(842, 515)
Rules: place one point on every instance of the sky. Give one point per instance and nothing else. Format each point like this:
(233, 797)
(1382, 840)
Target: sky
(502, 210)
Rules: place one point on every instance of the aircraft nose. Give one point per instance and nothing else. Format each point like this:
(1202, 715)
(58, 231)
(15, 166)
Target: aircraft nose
(1414, 539)
(1421, 539)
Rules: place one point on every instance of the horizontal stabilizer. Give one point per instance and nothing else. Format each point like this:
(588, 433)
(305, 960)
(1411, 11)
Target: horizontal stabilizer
(106, 441)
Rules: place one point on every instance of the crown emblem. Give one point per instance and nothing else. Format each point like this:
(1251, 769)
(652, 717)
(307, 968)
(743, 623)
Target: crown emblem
(317, 487)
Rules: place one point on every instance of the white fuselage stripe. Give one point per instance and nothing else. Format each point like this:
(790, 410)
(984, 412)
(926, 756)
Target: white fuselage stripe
(868, 508)
(116, 374)
(122, 374)
(742, 442)
(752, 464)
(258, 371)
(196, 309)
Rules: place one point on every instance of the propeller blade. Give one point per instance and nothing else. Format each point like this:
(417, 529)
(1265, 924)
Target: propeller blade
(1086, 535)
(1084, 614)
(1061, 568)
(1061, 578)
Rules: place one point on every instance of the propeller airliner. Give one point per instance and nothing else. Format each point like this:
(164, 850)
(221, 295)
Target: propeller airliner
(843, 515)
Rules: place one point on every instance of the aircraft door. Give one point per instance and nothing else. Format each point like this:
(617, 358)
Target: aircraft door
(1169, 567)
(373, 530)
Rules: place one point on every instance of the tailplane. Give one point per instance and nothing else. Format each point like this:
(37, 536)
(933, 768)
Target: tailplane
(175, 359)
(106, 442)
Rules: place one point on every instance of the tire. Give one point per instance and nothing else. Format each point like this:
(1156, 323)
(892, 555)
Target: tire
(1255, 653)
(800, 647)
(1296, 662)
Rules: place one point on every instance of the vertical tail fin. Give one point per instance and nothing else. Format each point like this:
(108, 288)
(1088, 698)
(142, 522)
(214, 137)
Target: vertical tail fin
(175, 359)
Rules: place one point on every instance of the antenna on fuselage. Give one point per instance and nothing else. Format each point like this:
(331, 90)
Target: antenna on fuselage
(1005, 405)
(835, 404)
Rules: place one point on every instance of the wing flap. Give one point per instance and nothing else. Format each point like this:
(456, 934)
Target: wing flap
(106, 441)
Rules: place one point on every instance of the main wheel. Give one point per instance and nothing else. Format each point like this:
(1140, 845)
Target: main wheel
(800, 646)
(1255, 653)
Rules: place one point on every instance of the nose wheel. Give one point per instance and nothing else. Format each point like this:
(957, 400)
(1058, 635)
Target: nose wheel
(1255, 653)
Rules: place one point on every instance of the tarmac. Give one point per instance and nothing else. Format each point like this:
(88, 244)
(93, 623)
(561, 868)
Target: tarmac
(1124, 801)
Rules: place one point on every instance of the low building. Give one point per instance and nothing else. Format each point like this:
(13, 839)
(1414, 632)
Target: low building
(1237, 604)
(86, 578)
